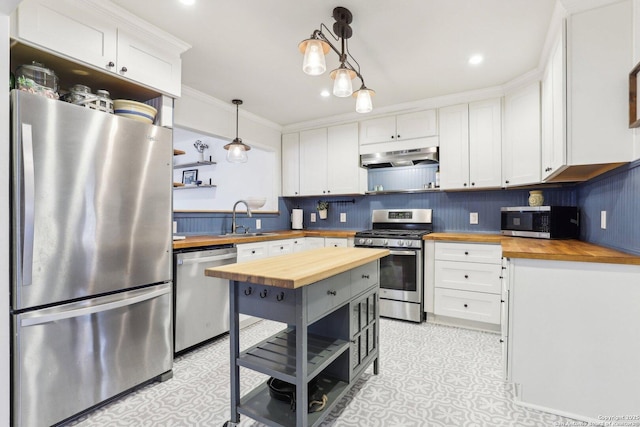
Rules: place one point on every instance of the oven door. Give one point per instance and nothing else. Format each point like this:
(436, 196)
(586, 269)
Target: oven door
(401, 275)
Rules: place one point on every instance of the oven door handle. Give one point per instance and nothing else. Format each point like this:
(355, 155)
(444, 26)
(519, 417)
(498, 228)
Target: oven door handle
(414, 253)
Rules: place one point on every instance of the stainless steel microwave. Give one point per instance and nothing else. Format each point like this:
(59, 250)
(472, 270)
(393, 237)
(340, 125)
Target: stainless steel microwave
(542, 222)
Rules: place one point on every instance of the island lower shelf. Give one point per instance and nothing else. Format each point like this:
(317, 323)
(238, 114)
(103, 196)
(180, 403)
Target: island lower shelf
(331, 335)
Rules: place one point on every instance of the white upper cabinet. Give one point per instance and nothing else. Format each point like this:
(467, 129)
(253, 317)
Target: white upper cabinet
(595, 57)
(471, 145)
(85, 31)
(290, 164)
(521, 147)
(454, 146)
(345, 176)
(329, 163)
(397, 128)
(553, 106)
(313, 162)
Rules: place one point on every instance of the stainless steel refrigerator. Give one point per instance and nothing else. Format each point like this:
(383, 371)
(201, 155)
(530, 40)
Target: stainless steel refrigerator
(91, 260)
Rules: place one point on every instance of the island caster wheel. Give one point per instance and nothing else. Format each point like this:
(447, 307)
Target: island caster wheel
(230, 424)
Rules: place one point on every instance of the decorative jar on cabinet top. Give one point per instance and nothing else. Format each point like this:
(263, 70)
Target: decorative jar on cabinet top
(536, 198)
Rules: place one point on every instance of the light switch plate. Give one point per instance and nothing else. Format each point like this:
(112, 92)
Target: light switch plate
(603, 220)
(313, 217)
(343, 217)
(258, 224)
(473, 217)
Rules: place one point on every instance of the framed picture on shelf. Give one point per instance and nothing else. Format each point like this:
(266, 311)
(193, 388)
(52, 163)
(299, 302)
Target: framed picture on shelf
(190, 176)
(634, 99)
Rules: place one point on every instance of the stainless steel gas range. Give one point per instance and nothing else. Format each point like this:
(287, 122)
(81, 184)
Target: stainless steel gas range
(401, 272)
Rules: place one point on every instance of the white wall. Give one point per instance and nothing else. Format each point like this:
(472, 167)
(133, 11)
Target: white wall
(636, 59)
(254, 179)
(6, 7)
(215, 120)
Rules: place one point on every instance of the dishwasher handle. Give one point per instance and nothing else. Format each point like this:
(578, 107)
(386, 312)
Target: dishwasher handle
(182, 261)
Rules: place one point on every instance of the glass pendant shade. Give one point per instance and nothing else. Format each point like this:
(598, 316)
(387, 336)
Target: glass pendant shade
(314, 63)
(342, 86)
(364, 103)
(236, 152)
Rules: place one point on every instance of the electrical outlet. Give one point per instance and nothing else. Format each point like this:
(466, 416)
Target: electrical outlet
(473, 217)
(258, 224)
(603, 220)
(343, 217)
(313, 217)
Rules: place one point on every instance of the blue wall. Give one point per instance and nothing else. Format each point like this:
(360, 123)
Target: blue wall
(617, 192)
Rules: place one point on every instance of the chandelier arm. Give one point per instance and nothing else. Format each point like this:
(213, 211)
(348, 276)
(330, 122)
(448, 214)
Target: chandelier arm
(354, 59)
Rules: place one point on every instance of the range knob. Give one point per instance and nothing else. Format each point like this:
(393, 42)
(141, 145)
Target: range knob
(400, 243)
(369, 241)
(385, 242)
(361, 241)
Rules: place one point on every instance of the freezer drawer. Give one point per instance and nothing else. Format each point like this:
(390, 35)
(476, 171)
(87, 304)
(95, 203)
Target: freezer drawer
(73, 356)
(202, 303)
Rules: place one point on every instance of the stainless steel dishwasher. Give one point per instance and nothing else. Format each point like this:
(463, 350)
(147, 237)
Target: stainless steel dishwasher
(202, 303)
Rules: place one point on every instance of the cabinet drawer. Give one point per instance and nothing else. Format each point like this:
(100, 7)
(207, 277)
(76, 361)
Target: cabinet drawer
(327, 294)
(335, 242)
(364, 277)
(468, 305)
(469, 252)
(280, 247)
(249, 252)
(468, 276)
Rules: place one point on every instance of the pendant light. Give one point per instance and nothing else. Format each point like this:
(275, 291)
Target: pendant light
(318, 45)
(237, 150)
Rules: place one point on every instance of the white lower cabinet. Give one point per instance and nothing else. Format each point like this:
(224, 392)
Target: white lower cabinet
(279, 247)
(574, 338)
(336, 242)
(467, 281)
(251, 252)
(313, 243)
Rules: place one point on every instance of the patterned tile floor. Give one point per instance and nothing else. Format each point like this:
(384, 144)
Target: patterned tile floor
(430, 375)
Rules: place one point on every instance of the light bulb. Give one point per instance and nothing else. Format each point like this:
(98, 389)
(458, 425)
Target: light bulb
(363, 101)
(342, 85)
(236, 154)
(313, 63)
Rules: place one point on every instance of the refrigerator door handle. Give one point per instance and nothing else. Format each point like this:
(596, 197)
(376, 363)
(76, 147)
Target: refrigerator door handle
(29, 204)
(98, 308)
(206, 259)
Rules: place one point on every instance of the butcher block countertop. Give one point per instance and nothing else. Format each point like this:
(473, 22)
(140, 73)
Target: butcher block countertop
(553, 250)
(213, 240)
(298, 269)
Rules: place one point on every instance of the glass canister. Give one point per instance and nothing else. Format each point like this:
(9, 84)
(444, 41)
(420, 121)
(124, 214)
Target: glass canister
(104, 101)
(38, 79)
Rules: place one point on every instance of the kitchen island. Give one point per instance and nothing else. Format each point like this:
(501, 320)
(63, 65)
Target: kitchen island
(328, 298)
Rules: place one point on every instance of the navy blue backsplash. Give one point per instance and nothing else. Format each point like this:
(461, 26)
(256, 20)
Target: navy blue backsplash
(616, 192)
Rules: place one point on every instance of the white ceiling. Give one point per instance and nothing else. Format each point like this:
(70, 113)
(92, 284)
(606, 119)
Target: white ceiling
(408, 50)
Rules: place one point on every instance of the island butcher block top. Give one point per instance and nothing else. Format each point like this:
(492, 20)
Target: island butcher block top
(298, 269)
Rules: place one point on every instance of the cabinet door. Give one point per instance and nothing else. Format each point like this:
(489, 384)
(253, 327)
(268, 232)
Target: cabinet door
(336, 242)
(280, 247)
(343, 160)
(521, 149)
(252, 251)
(313, 162)
(291, 164)
(382, 129)
(454, 146)
(485, 143)
(554, 149)
(546, 107)
(70, 28)
(416, 125)
(148, 64)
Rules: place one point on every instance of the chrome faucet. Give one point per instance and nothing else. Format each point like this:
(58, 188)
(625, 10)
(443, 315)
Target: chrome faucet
(234, 227)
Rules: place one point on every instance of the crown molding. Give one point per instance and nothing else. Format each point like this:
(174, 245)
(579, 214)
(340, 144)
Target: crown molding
(133, 23)
(577, 6)
(217, 103)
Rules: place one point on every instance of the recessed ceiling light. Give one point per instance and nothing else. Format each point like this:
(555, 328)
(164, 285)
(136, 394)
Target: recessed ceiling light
(188, 2)
(476, 59)
(325, 93)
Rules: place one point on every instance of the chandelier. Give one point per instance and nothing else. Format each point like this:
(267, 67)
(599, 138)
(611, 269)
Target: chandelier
(318, 45)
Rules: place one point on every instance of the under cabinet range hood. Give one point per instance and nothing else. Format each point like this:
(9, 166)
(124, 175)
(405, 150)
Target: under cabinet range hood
(407, 157)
